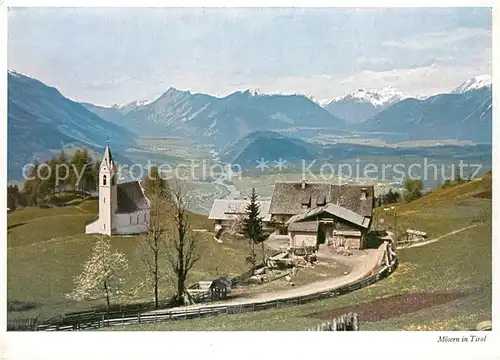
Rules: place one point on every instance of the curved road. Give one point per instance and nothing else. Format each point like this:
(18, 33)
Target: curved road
(364, 269)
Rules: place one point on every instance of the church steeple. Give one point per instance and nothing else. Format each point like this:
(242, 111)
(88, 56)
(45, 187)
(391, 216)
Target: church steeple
(107, 192)
(107, 159)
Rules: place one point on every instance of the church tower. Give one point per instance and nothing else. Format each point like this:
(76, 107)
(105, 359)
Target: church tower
(107, 193)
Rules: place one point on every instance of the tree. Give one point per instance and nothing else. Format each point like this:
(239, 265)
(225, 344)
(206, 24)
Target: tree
(155, 182)
(413, 189)
(181, 251)
(13, 197)
(153, 245)
(100, 277)
(78, 163)
(89, 179)
(391, 197)
(62, 161)
(32, 185)
(458, 177)
(252, 227)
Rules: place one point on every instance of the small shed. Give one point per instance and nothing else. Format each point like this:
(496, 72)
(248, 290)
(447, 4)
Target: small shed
(220, 288)
(303, 234)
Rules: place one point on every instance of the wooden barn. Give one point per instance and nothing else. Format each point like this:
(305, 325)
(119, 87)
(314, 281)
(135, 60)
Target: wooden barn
(331, 224)
(316, 213)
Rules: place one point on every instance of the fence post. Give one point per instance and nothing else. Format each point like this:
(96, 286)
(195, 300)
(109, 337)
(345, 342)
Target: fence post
(356, 322)
(138, 317)
(123, 317)
(253, 306)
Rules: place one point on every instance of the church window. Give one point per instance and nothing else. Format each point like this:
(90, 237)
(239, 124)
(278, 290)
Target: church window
(104, 200)
(104, 180)
(137, 219)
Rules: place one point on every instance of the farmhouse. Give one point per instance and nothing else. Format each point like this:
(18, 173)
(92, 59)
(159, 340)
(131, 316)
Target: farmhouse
(331, 224)
(226, 212)
(317, 213)
(123, 208)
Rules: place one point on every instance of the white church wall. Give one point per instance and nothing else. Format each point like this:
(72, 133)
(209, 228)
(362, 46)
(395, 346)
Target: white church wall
(133, 223)
(97, 227)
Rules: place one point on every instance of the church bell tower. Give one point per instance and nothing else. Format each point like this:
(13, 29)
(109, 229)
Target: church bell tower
(107, 193)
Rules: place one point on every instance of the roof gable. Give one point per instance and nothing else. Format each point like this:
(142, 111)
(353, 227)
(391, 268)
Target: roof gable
(334, 210)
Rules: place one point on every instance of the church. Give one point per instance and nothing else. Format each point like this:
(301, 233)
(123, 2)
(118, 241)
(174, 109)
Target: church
(123, 208)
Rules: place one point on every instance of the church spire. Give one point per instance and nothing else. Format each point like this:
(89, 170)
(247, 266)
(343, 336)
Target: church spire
(108, 158)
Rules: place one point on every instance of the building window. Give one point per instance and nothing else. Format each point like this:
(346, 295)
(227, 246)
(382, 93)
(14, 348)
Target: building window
(104, 200)
(104, 225)
(130, 220)
(104, 180)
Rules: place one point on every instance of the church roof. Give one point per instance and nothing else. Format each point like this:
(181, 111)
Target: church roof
(130, 198)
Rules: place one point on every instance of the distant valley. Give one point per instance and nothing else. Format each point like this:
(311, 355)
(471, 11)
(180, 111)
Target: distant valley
(248, 125)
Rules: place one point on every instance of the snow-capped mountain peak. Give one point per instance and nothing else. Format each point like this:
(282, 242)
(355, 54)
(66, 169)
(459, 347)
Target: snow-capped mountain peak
(133, 104)
(377, 97)
(474, 83)
(254, 92)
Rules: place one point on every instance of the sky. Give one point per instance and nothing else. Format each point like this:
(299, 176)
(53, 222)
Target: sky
(111, 56)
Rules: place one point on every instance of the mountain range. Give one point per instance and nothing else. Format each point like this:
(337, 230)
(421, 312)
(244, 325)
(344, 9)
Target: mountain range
(462, 115)
(42, 120)
(362, 104)
(218, 121)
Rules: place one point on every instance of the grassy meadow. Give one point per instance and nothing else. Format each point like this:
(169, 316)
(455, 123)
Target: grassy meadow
(46, 249)
(445, 285)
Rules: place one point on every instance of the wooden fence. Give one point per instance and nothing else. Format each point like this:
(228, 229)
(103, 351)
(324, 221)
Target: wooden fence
(82, 321)
(347, 322)
(30, 324)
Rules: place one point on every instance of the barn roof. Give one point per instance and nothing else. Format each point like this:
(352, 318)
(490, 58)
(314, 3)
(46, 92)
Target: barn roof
(335, 210)
(130, 198)
(223, 209)
(290, 198)
(306, 226)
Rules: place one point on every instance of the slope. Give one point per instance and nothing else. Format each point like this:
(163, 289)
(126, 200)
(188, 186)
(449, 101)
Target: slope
(41, 119)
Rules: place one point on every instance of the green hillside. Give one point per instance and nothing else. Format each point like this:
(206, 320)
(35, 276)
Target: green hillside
(46, 249)
(445, 285)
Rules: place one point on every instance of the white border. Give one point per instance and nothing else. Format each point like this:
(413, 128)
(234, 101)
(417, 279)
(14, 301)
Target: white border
(144, 345)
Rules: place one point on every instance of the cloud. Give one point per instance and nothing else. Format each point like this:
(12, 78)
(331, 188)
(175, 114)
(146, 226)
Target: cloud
(439, 40)
(424, 80)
